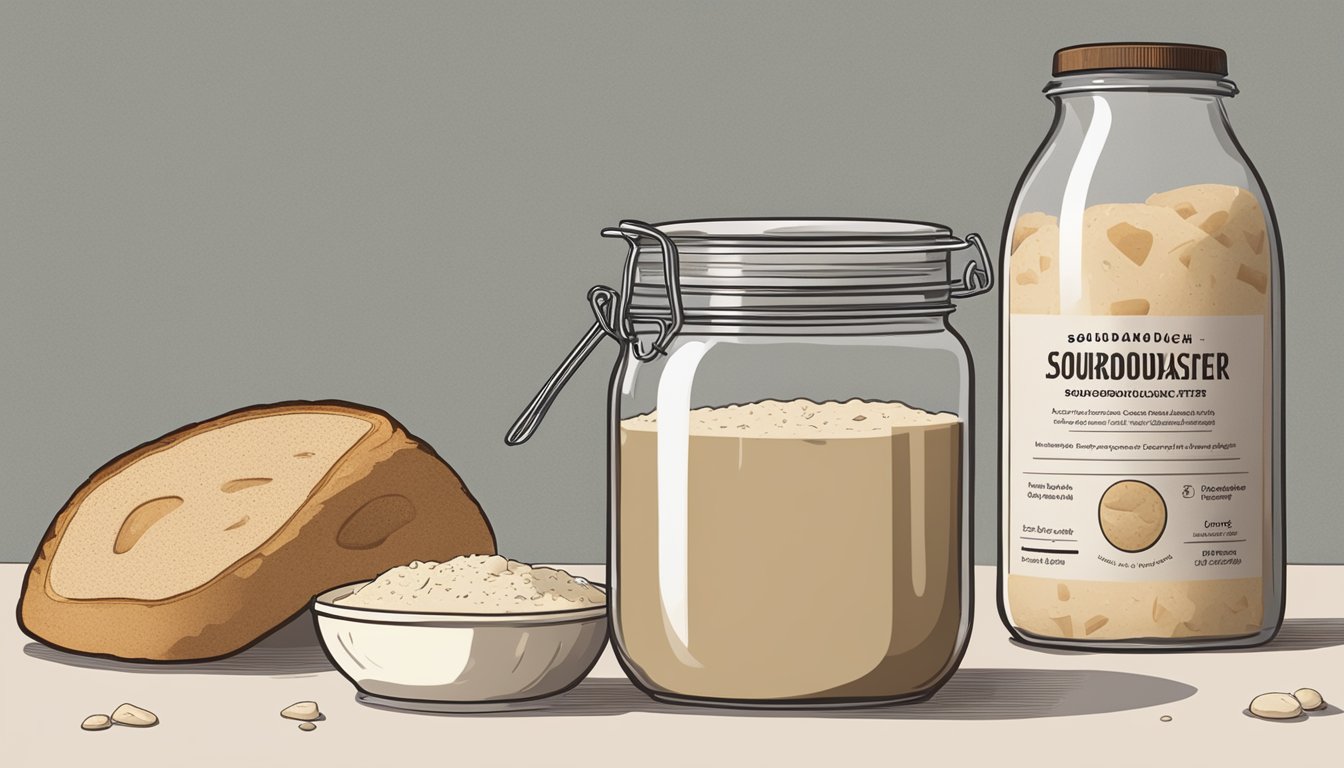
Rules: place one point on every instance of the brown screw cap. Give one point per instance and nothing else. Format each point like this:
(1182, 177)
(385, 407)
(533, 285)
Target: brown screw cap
(1171, 56)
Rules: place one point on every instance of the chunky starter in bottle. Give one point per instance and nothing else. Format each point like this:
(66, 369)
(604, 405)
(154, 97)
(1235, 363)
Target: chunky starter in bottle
(1093, 552)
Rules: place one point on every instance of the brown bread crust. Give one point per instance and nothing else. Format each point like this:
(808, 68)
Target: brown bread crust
(385, 477)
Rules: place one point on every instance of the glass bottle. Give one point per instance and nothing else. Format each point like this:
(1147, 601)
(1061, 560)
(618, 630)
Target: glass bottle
(1141, 477)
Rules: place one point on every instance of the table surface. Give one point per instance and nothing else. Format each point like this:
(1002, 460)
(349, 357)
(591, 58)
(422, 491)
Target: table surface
(1008, 703)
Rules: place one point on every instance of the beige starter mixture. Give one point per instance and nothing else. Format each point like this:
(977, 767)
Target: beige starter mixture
(817, 552)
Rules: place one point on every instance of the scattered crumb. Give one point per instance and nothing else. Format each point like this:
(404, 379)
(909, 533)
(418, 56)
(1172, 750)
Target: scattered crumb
(302, 710)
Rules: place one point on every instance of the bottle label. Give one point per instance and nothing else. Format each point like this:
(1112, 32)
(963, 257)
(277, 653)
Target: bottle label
(1136, 447)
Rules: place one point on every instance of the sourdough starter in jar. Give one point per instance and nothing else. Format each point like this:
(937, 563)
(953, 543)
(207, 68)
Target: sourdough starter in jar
(783, 532)
(784, 558)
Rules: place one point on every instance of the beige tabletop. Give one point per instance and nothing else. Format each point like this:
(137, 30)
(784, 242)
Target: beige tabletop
(1008, 704)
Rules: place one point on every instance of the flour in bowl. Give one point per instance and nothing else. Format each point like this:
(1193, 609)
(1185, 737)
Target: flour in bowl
(475, 584)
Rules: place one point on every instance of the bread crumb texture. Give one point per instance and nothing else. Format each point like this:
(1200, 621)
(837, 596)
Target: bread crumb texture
(1196, 250)
(475, 584)
(175, 519)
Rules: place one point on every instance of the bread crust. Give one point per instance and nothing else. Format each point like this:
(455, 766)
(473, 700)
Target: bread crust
(387, 474)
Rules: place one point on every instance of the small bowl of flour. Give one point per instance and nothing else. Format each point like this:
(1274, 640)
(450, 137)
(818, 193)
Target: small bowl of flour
(475, 633)
(476, 585)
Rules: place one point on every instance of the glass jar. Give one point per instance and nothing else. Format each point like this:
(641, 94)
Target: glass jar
(790, 456)
(1141, 482)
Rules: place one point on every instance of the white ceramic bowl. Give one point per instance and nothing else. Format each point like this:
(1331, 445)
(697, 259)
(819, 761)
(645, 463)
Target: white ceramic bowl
(456, 661)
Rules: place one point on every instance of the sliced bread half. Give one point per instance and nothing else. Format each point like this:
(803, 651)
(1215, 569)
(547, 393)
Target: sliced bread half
(199, 543)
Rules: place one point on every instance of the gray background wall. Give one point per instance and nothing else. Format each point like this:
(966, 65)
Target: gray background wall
(204, 206)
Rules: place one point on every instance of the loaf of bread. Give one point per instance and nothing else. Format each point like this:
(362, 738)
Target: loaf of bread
(196, 545)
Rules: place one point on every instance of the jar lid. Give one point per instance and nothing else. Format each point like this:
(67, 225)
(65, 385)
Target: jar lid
(798, 271)
(1155, 56)
(821, 229)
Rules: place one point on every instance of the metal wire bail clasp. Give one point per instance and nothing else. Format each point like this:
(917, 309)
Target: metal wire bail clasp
(613, 318)
(979, 275)
(623, 325)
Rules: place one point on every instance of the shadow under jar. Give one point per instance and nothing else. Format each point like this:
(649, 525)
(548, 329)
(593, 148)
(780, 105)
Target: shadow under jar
(790, 458)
